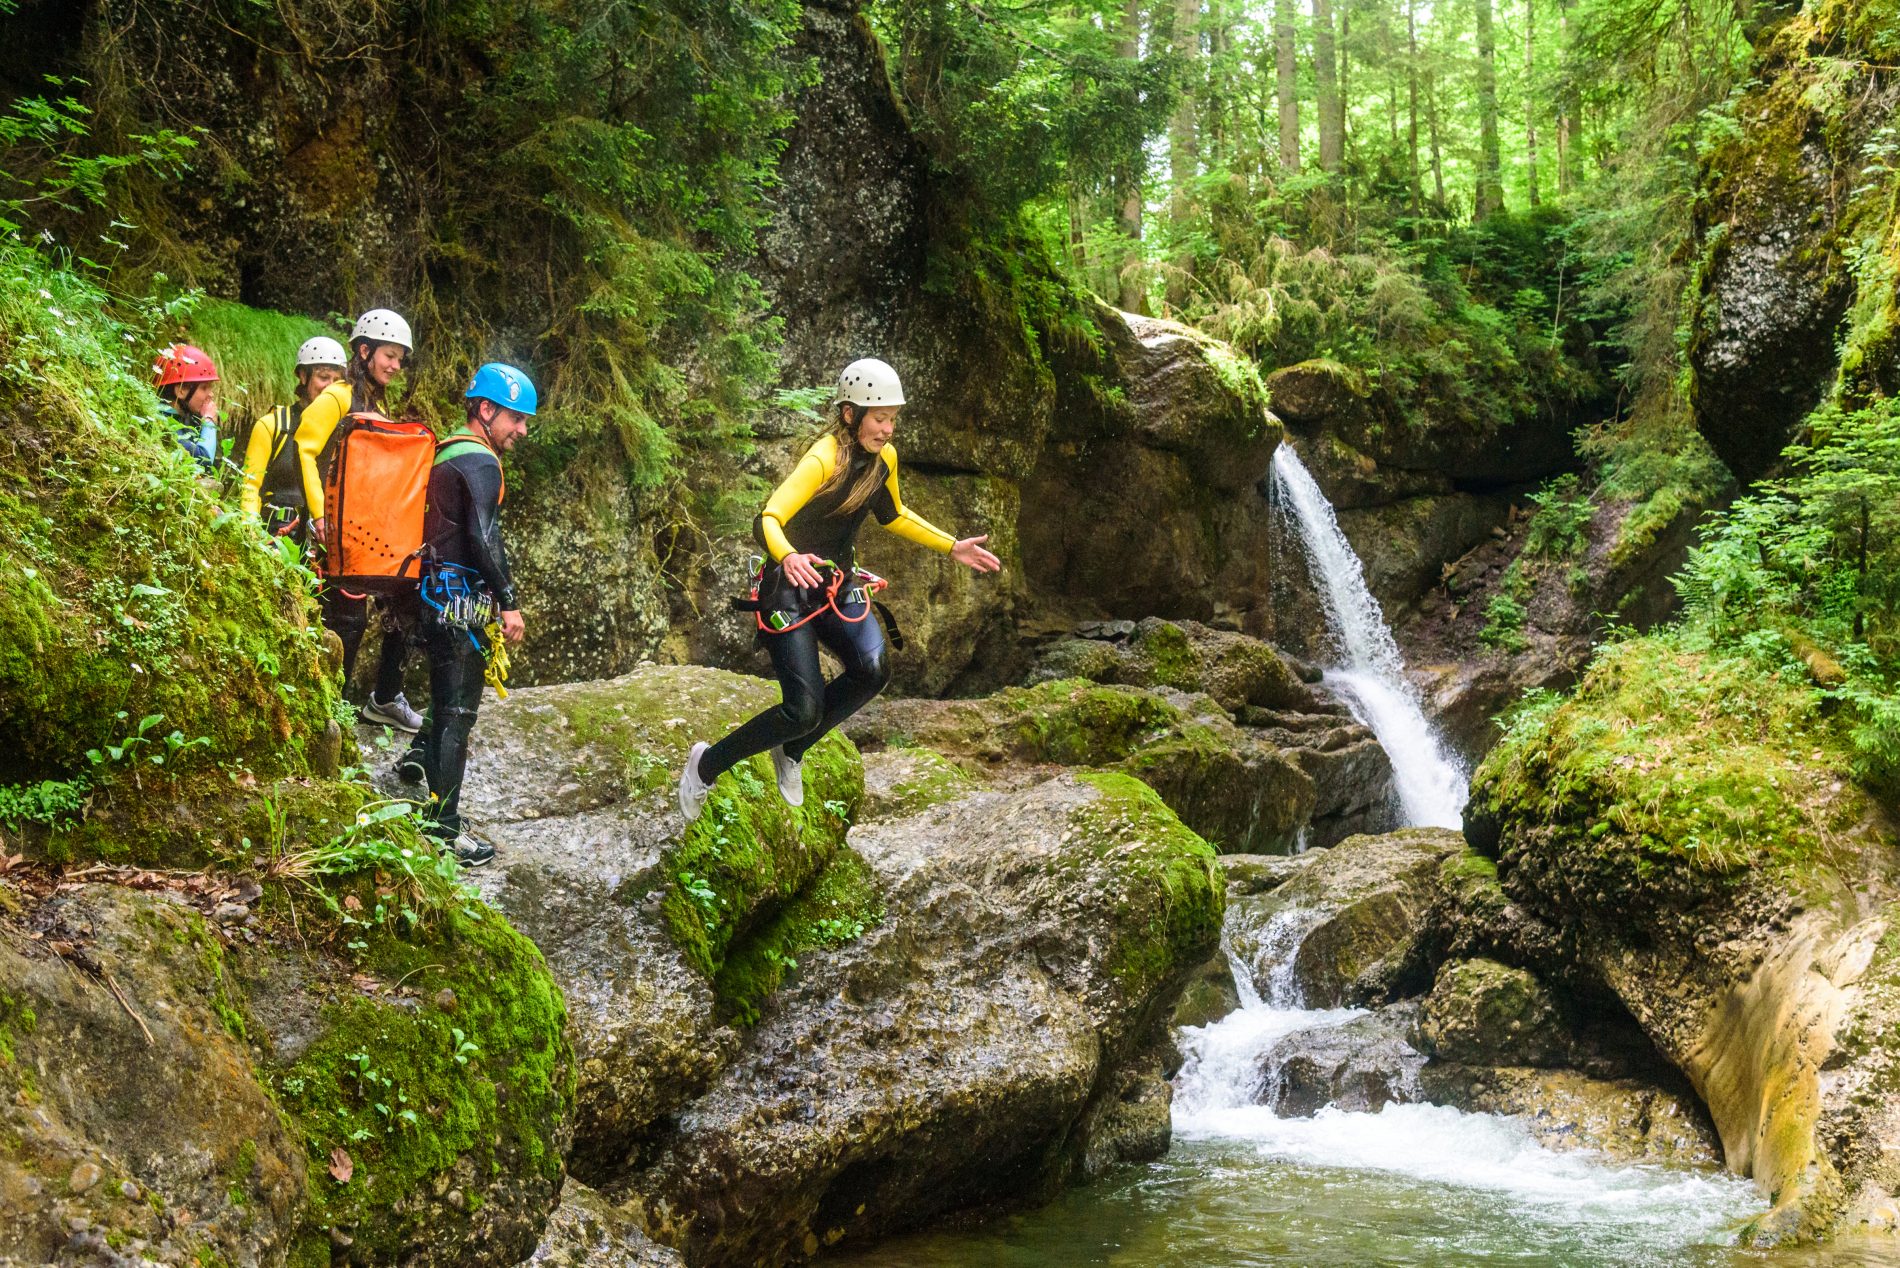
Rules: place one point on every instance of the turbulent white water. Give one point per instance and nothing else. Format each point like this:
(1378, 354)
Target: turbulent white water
(1370, 675)
(1225, 1072)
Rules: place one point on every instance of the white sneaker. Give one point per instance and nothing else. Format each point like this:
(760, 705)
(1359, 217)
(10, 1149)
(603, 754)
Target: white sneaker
(693, 789)
(791, 777)
(395, 713)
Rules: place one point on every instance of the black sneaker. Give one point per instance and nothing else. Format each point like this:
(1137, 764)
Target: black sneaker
(472, 852)
(409, 768)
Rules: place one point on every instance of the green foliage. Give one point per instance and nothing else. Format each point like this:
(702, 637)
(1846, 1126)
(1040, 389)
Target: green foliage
(1817, 552)
(836, 908)
(1668, 757)
(49, 802)
(1505, 614)
(46, 172)
(256, 352)
(126, 588)
(1408, 320)
(1564, 510)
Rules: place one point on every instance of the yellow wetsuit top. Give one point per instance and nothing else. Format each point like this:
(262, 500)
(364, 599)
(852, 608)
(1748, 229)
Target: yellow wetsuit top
(320, 420)
(271, 463)
(796, 519)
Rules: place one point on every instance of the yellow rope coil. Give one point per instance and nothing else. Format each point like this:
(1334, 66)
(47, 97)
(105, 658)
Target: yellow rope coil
(497, 671)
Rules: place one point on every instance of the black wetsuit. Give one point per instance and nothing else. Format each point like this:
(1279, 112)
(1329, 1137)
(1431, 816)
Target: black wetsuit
(461, 526)
(804, 517)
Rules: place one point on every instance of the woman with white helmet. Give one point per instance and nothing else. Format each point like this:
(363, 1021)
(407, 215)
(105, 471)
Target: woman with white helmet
(380, 345)
(809, 593)
(273, 470)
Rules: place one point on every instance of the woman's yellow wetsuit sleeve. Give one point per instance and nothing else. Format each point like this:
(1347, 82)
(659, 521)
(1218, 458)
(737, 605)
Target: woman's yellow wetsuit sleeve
(256, 458)
(806, 479)
(907, 524)
(320, 419)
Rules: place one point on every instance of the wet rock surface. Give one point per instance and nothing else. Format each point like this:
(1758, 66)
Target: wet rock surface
(588, 1231)
(1348, 928)
(1360, 1066)
(992, 1036)
(574, 784)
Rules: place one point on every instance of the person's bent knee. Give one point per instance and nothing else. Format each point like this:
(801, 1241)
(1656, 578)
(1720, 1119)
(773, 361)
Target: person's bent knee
(874, 671)
(802, 714)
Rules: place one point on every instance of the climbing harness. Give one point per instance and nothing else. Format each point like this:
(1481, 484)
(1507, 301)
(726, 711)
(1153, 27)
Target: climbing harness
(456, 594)
(772, 619)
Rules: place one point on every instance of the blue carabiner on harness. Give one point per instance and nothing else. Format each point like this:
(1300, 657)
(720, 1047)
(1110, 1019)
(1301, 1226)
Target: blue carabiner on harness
(457, 594)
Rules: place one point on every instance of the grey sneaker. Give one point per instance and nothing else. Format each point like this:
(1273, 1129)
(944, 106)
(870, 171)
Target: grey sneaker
(394, 713)
(791, 777)
(473, 852)
(693, 789)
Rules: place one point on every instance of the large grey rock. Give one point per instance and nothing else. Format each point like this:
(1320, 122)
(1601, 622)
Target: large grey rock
(1360, 1066)
(588, 1231)
(575, 786)
(1481, 1012)
(998, 1031)
(1349, 928)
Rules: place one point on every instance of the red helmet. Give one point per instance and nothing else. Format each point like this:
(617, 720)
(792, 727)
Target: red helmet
(182, 363)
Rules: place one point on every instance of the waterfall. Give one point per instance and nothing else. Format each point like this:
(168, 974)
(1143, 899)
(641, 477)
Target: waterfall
(1370, 676)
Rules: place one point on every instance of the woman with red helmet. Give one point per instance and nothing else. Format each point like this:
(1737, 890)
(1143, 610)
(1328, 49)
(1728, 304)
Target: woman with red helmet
(186, 379)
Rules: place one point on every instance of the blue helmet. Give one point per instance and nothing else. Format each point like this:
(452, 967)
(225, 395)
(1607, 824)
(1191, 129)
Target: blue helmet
(505, 386)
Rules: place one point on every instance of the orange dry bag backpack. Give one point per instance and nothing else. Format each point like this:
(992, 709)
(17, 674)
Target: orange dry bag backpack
(373, 496)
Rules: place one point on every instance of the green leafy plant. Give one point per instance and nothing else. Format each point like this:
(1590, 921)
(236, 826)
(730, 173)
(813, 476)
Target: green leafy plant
(1563, 512)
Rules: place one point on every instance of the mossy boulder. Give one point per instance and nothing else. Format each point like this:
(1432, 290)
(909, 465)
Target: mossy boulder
(1237, 792)
(1691, 827)
(641, 920)
(903, 781)
(1349, 928)
(269, 1101)
(1234, 669)
(1481, 1012)
(154, 646)
(995, 1035)
(1623, 1120)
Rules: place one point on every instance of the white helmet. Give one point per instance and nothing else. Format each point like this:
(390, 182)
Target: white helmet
(322, 350)
(870, 382)
(379, 325)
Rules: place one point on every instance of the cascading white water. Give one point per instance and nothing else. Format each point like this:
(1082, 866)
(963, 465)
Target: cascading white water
(1224, 1091)
(1370, 677)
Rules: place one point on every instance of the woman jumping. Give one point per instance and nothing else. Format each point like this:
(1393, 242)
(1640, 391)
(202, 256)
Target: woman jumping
(810, 592)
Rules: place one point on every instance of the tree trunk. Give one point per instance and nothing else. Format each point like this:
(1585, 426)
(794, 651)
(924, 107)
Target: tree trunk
(1490, 158)
(1530, 98)
(1411, 104)
(1438, 158)
(1568, 109)
(1132, 295)
(1286, 76)
(1183, 163)
(1332, 148)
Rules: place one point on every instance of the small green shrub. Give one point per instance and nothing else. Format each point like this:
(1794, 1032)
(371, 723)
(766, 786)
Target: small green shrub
(1563, 512)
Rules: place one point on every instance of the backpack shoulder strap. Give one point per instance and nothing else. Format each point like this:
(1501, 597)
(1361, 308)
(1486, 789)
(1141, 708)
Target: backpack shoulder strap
(283, 428)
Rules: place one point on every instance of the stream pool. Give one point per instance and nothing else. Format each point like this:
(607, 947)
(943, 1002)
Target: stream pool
(1423, 1187)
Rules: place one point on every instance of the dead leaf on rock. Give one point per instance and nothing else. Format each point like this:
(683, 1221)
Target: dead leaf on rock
(340, 1165)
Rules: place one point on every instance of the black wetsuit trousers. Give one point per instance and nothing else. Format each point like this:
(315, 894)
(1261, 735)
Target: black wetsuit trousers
(456, 670)
(810, 706)
(349, 617)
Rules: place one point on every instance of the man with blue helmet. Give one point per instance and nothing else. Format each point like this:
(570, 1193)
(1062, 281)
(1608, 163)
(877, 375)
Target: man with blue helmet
(466, 583)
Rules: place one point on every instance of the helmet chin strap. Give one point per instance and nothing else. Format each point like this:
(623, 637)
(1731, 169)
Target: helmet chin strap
(487, 434)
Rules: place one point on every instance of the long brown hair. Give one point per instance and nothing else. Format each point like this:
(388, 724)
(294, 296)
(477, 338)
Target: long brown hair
(845, 420)
(366, 394)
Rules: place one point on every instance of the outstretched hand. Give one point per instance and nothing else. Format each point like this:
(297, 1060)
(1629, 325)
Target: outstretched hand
(970, 553)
